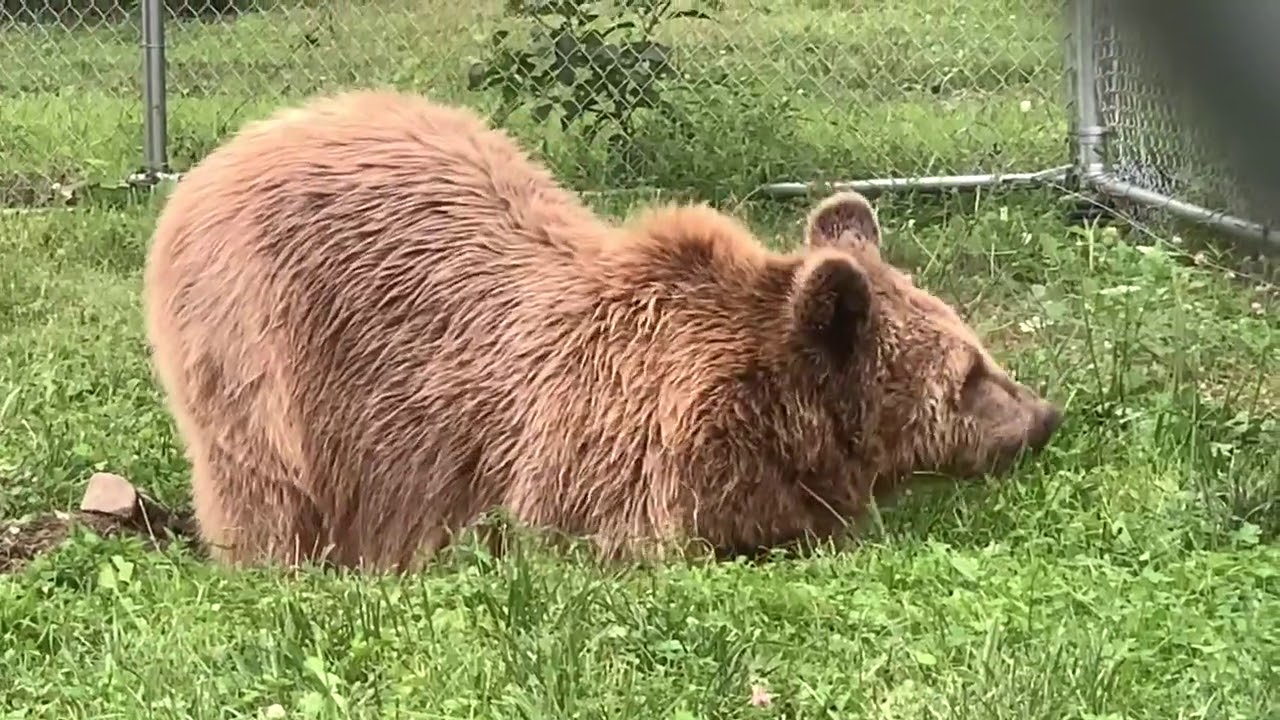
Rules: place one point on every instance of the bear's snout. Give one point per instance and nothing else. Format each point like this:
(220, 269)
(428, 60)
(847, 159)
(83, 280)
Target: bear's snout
(1043, 431)
(1038, 430)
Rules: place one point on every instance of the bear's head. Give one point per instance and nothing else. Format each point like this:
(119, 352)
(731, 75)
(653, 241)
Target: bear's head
(942, 404)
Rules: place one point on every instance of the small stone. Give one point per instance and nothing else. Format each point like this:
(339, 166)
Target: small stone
(110, 494)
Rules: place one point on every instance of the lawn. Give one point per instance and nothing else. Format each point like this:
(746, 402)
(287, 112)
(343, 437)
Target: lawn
(1133, 571)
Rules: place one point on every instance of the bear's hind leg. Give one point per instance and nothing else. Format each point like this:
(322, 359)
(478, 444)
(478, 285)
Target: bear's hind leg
(255, 515)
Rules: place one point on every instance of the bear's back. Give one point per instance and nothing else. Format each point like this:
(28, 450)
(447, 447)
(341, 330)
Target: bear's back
(376, 225)
(380, 187)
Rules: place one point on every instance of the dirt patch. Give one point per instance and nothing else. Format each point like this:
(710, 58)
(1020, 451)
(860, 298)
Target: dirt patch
(25, 540)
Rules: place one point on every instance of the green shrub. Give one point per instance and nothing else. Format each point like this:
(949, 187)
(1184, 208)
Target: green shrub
(587, 64)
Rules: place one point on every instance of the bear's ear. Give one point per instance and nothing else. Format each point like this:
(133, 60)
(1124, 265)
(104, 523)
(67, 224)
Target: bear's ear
(844, 220)
(831, 305)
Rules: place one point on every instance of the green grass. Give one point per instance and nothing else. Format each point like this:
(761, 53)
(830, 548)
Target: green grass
(1131, 572)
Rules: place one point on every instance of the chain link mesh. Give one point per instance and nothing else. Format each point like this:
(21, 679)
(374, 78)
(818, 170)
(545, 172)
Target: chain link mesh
(1152, 139)
(246, 58)
(700, 94)
(709, 95)
(69, 96)
(752, 91)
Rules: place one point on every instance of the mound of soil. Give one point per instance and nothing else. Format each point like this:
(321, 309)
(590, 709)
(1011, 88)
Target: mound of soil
(157, 526)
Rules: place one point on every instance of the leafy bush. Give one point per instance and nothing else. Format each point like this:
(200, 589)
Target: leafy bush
(595, 70)
(576, 60)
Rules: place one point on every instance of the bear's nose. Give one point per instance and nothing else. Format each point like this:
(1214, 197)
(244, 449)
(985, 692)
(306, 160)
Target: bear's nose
(1050, 419)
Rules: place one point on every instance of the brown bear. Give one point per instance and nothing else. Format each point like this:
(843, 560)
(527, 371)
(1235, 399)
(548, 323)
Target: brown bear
(375, 319)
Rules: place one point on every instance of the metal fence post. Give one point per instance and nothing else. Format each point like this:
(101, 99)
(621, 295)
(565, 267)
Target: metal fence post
(1082, 58)
(154, 98)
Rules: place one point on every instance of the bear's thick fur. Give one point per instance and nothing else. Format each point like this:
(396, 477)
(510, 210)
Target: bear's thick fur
(376, 319)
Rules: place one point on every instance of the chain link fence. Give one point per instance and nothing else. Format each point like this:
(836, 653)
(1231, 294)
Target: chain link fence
(1137, 131)
(705, 95)
(700, 94)
(69, 97)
